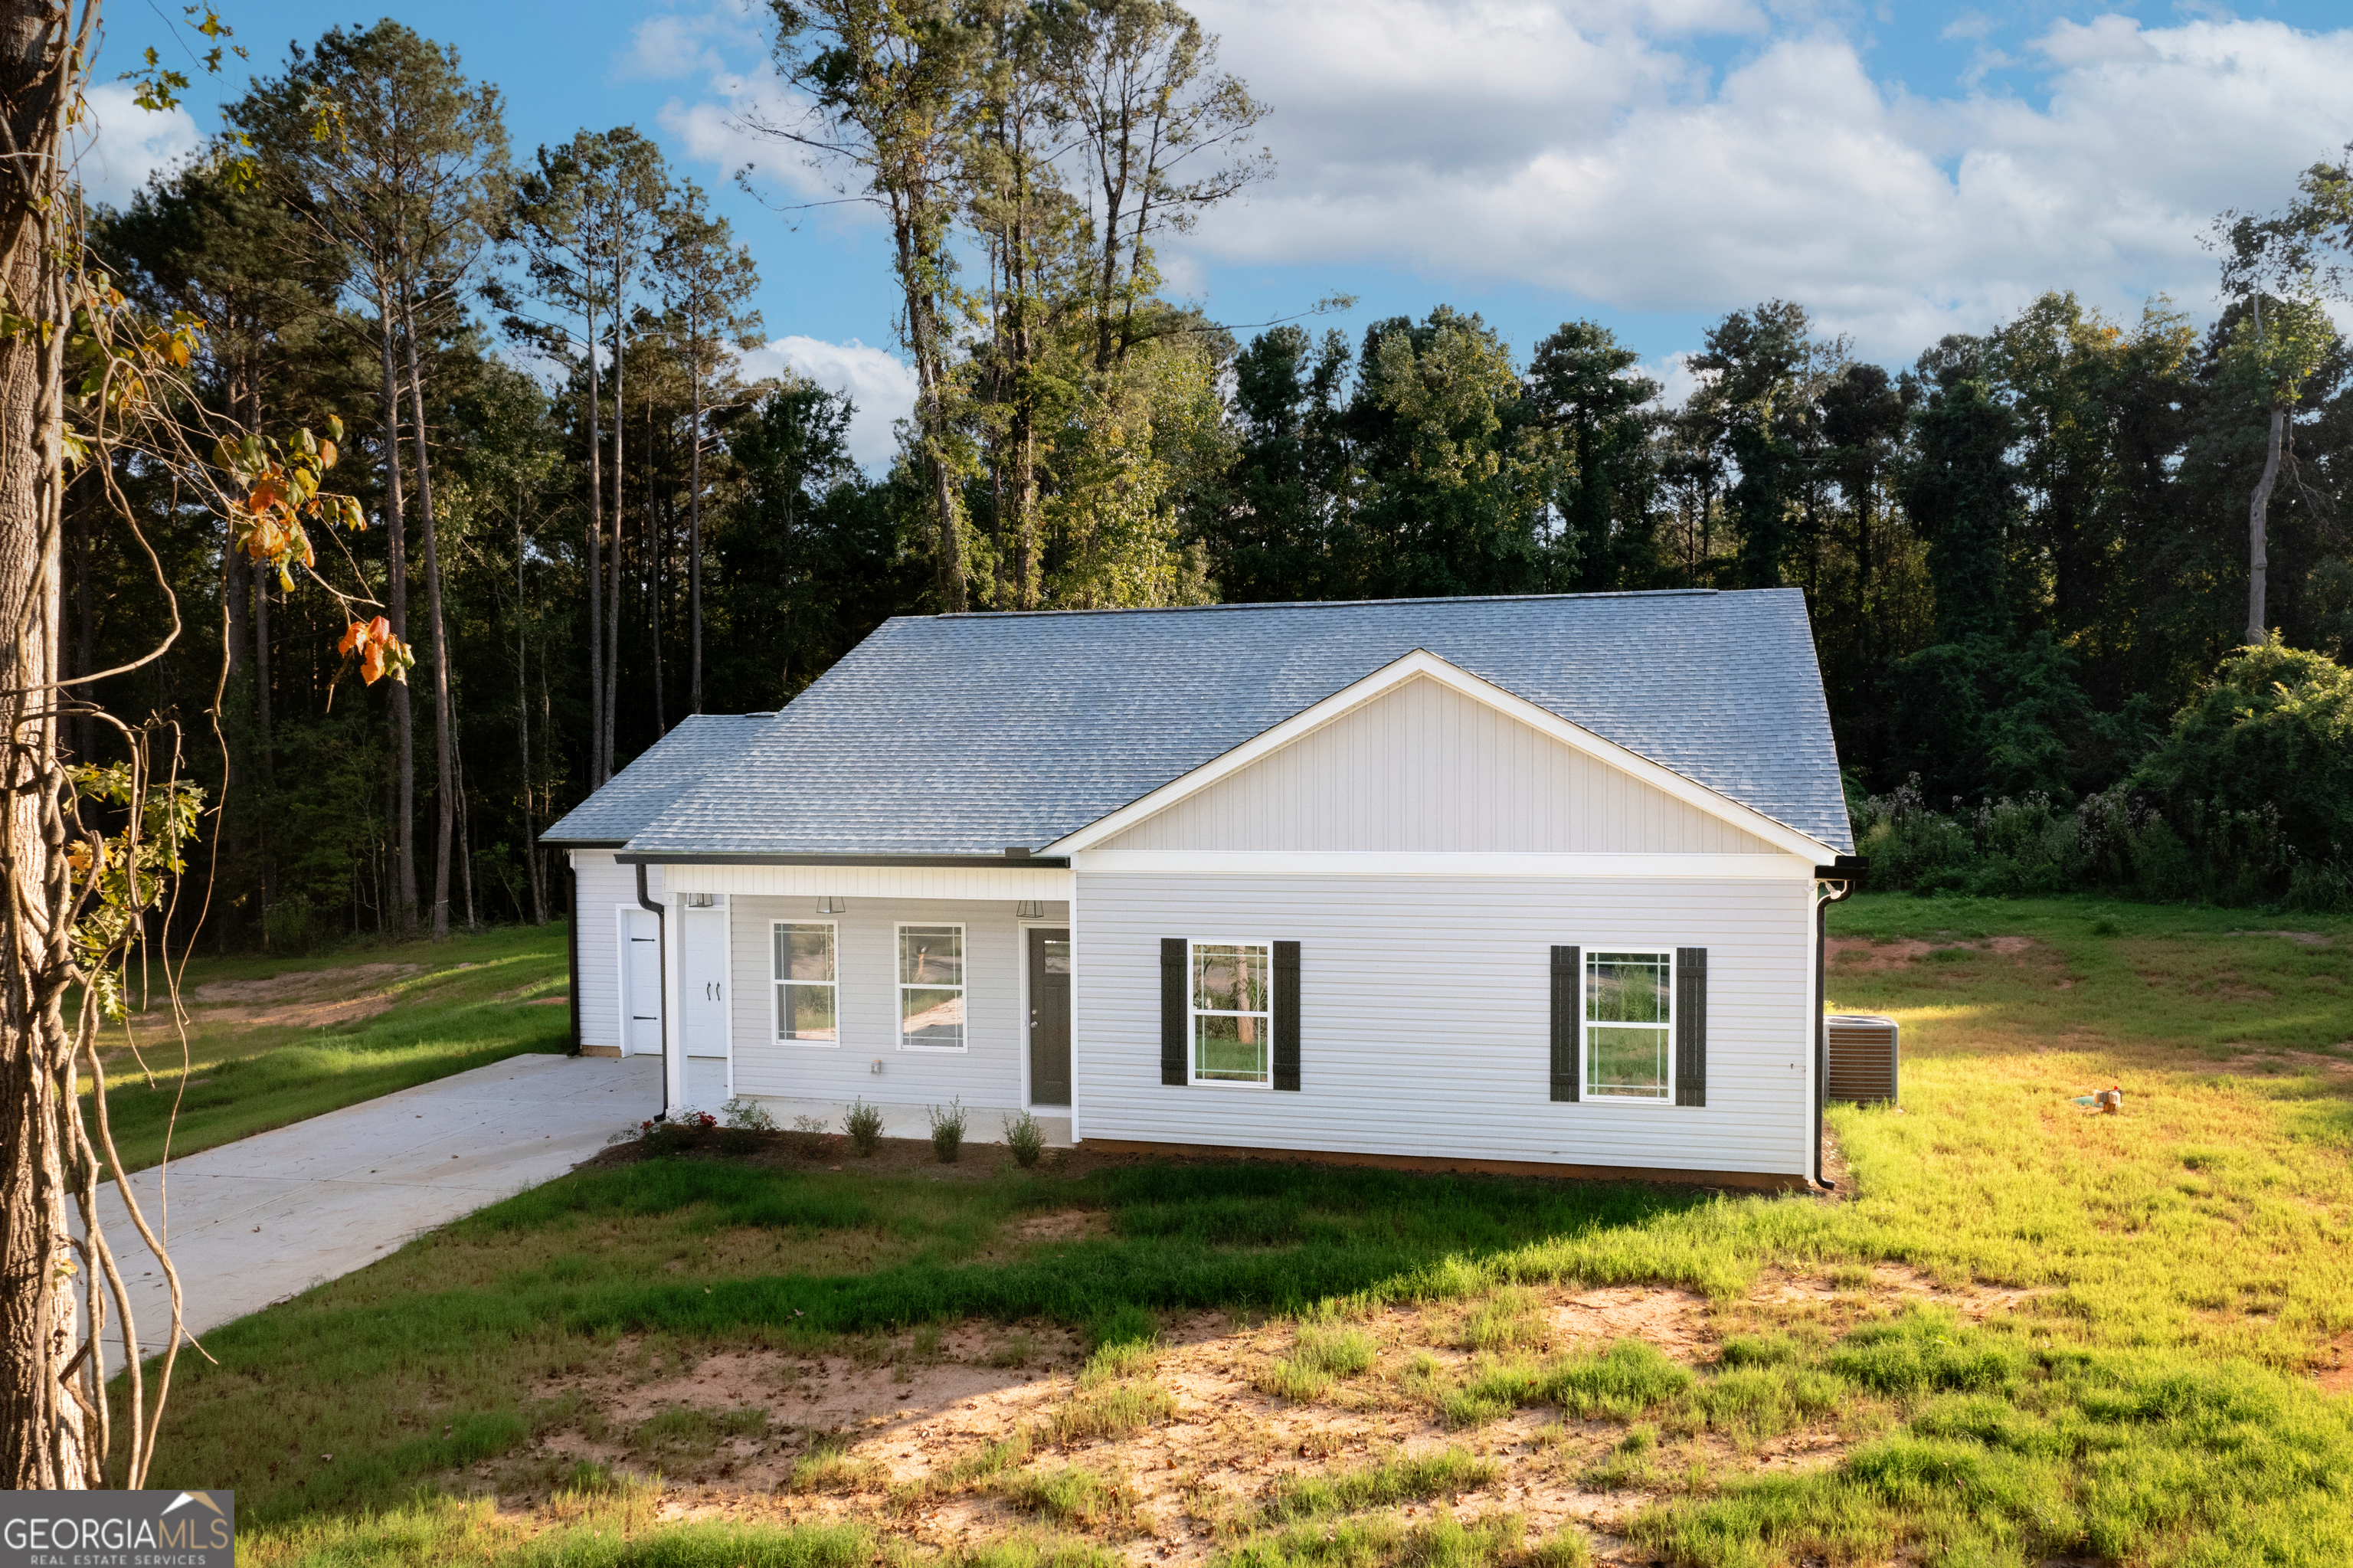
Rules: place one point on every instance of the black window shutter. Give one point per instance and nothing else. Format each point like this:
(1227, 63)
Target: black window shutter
(1568, 1019)
(1286, 1015)
(1175, 1009)
(1690, 1026)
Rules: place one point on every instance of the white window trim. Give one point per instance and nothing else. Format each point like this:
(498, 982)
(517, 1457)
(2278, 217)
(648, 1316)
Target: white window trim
(899, 987)
(1587, 1026)
(1193, 1013)
(778, 982)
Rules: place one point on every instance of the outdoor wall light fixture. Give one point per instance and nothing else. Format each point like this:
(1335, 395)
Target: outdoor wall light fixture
(702, 901)
(1029, 909)
(829, 905)
(877, 1068)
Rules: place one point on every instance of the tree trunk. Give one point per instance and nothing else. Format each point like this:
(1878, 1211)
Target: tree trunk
(2258, 524)
(396, 593)
(596, 749)
(522, 728)
(445, 791)
(43, 1444)
(694, 522)
(611, 693)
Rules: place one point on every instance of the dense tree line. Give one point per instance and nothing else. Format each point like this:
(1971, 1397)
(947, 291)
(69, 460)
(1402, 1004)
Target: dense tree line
(2023, 554)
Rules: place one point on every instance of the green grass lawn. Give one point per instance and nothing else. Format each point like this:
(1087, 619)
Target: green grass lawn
(272, 1040)
(2149, 1399)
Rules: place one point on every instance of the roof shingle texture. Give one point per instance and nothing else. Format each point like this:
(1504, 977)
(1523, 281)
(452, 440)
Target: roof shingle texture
(963, 735)
(702, 745)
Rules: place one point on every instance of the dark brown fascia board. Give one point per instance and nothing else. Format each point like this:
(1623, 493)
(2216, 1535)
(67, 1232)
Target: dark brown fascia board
(989, 861)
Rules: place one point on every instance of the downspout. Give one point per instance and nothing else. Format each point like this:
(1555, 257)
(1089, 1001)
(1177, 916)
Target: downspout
(661, 962)
(572, 947)
(1826, 893)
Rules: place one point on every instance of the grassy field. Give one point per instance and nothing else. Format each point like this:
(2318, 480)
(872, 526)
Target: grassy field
(272, 1040)
(2025, 1332)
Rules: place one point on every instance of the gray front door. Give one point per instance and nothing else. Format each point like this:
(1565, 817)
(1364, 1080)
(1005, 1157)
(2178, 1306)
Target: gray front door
(1049, 1017)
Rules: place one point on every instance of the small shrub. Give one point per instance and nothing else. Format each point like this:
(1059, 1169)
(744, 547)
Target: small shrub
(750, 1115)
(683, 1129)
(744, 1123)
(948, 1130)
(1026, 1139)
(863, 1123)
(813, 1138)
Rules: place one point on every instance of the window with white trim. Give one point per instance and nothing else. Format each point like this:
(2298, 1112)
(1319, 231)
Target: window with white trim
(931, 988)
(1630, 1025)
(808, 1011)
(1233, 1020)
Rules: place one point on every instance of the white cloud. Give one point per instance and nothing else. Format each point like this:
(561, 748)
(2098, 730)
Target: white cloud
(125, 143)
(670, 45)
(878, 382)
(1488, 140)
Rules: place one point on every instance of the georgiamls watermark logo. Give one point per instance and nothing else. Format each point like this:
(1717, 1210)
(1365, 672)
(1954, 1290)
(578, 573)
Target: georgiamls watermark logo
(117, 1530)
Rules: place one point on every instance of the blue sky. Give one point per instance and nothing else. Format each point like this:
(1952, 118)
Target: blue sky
(1902, 171)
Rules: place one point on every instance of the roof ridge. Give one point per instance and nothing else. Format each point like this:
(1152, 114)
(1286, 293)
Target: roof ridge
(1332, 603)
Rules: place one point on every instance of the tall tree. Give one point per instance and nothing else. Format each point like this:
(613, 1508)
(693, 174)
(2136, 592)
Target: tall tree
(1758, 361)
(1578, 384)
(1961, 489)
(401, 188)
(708, 281)
(632, 193)
(887, 82)
(1164, 135)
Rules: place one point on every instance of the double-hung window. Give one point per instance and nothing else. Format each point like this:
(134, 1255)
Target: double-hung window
(931, 988)
(1232, 992)
(1628, 1025)
(808, 989)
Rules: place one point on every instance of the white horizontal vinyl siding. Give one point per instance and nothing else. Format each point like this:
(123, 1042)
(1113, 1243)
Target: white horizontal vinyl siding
(987, 1073)
(1425, 768)
(604, 886)
(1425, 1017)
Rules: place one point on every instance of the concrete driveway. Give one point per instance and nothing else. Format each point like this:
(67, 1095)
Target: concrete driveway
(268, 1216)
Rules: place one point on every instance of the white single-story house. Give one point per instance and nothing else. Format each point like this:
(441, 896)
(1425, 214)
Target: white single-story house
(1518, 884)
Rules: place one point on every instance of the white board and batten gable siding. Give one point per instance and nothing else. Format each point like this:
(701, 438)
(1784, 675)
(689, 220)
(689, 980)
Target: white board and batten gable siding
(1424, 768)
(1427, 847)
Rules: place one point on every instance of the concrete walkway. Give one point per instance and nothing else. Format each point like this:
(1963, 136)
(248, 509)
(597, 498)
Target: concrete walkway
(268, 1216)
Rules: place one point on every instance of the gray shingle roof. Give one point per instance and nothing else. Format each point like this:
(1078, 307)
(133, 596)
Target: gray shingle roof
(701, 744)
(964, 733)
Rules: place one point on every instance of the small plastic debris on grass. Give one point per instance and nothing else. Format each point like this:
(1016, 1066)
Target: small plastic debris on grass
(2109, 1101)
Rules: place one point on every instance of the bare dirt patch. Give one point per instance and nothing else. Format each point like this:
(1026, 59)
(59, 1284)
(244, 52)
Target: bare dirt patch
(902, 1416)
(1887, 1284)
(1063, 1224)
(304, 998)
(2333, 1368)
(2257, 1062)
(1866, 954)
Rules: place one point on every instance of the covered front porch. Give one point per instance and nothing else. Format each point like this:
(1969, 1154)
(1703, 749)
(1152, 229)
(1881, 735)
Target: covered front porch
(807, 987)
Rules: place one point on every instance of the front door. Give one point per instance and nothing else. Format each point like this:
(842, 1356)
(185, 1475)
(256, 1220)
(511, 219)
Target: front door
(1049, 1017)
(702, 981)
